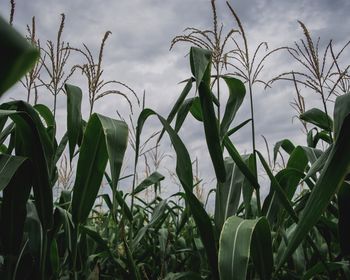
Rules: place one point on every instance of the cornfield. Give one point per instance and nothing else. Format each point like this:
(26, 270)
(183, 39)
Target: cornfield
(300, 230)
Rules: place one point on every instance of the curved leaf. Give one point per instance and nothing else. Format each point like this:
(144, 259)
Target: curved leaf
(152, 179)
(236, 96)
(331, 178)
(184, 172)
(17, 56)
(239, 238)
(74, 118)
(33, 142)
(104, 139)
(200, 61)
(318, 118)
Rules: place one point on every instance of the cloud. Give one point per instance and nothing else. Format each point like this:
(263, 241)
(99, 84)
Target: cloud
(137, 53)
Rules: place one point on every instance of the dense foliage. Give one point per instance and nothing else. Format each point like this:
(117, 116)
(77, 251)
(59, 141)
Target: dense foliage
(291, 234)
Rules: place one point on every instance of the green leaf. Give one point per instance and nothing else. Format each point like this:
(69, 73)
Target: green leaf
(280, 193)
(61, 147)
(96, 237)
(211, 132)
(189, 105)
(116, 137)
(200, 61)
(119, 198)
(329, 182)
(48, 117)
(318, 118)
(285, 144)
(33, 142)
(184, 172)
(54, 258)
(13, 207)
(134, 272)
(178, 104)
(239, 238)
(8, 168)
(104, 139)
(152, 179)
(74, 118)
(17, 56)
(236, 96)
(236, 128)
(319, 163)
(196, 110)
(319, 268)
(240, 163)
(228, 194)
(157, 215)
(344, 219)
(341, 110)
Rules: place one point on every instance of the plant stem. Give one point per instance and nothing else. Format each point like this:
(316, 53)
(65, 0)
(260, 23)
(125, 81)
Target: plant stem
(253, 143)
(218, 89)
(43, 256)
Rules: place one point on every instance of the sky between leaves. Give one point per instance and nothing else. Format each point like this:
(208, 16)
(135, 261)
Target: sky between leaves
(137, 53)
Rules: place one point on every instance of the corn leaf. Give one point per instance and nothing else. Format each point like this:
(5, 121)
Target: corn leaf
(329, 182)
(74, 118)
(238, 239)
(17, 56)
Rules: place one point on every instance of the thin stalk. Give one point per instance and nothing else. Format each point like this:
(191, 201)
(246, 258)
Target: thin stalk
(43, 256)
(75, 251)
(218, 89)
(253, 143)
(133, 197)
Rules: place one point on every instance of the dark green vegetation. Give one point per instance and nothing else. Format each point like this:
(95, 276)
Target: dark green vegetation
(292, 234)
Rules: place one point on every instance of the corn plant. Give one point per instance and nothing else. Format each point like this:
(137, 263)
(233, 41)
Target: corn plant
(296, 233)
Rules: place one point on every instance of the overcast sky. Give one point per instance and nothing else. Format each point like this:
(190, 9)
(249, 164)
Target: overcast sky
(137, 53)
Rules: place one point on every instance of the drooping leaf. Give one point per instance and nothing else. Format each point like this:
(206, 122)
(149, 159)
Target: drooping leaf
(48, 117)
(285, 144)
(200, 61)
(236, 96)
(318, 118)
(74, 118)
(319, 163)
(152, 179)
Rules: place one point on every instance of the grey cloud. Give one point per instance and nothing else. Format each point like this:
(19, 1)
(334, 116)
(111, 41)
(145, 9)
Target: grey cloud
(137, 53)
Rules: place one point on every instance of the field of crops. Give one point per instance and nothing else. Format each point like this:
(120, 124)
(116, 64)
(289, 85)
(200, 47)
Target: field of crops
(300, 230)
